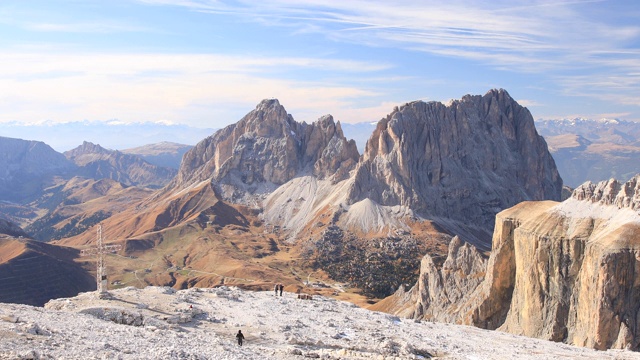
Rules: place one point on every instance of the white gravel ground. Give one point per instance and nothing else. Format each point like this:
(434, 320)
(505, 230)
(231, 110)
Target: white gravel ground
(160, 323)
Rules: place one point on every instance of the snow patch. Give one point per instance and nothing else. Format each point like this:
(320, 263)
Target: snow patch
(580, 209)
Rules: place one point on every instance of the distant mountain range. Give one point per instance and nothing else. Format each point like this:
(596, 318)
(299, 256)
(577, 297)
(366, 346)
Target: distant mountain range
(111, 134)
(31, 167)
(593, 150)
(95, 162)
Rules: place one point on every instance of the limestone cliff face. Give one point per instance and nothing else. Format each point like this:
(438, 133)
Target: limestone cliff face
(560, 271)
(269, 146)
(465, 161)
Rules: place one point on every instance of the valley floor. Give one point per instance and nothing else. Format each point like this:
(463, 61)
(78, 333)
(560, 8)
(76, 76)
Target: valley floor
(161, 323)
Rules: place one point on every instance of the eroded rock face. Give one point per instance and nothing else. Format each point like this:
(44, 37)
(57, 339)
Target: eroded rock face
(438, 292)
(269, 146)
(558, 271)
(465, 161)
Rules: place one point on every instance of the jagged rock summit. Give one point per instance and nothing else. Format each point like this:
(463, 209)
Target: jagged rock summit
(267, 146)
(464, 161)
(558, 271)
(611, 192)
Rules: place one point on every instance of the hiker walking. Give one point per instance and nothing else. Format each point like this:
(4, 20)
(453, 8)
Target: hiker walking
(240, 337)
(281, 288)
(276, 288)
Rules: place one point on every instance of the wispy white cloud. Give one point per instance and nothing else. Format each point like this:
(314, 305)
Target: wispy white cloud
(191, 88)
(542, 36)
(87, 27)
(528, 103)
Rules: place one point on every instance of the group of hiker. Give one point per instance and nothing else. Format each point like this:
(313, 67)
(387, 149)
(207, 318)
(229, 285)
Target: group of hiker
(278, 287)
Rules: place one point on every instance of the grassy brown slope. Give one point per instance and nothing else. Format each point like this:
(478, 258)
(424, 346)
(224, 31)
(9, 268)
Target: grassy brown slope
(80, 204)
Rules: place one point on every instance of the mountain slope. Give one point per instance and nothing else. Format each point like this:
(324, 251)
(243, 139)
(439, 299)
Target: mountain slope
(32, 272)
(79, 204)
(11, 229)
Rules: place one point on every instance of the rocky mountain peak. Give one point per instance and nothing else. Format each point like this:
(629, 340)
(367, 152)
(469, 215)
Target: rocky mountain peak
(269, 119)
(268, 146)
(96, 162)
(466, 161)
(611, 192)
(86, 148)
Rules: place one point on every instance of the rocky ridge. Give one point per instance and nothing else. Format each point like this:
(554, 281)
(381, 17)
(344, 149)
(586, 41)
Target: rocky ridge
(558, 271)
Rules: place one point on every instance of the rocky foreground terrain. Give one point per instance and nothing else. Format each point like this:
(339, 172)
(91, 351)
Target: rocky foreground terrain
(161, 323)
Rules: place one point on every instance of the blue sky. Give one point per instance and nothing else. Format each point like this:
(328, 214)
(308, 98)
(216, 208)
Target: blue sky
(206, 63)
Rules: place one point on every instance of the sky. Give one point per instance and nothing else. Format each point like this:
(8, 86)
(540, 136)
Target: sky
(206, 63)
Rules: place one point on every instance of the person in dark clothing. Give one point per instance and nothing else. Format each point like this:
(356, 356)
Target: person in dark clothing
(281, 288)
(276, 288)
(240, 337)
